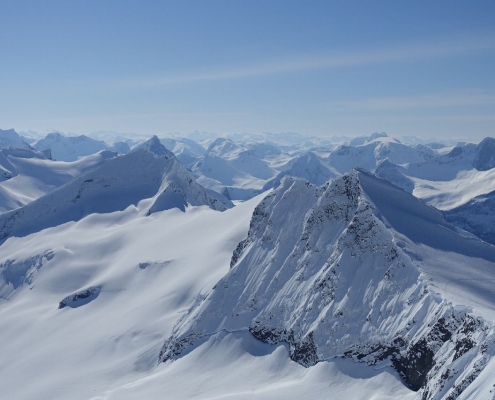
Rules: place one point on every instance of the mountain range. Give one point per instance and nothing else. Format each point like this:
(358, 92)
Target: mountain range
(249, 266)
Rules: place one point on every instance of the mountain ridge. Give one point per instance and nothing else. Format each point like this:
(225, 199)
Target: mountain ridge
(338, 282)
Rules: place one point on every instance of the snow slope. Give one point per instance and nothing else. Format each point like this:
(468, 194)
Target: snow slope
(146, 272)
(146, 173)
(146, 275)
(29, 175)
(356, 268)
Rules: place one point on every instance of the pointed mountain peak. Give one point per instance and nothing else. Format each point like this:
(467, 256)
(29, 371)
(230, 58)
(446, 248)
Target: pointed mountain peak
(153, 145)
(329, 271)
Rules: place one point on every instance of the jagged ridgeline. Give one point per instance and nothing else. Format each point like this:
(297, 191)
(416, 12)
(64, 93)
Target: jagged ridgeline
(356, 268)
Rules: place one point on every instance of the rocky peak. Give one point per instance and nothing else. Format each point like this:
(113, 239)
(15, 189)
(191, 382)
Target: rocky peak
(324, 271)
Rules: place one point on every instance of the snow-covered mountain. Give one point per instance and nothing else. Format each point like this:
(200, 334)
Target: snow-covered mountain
(351, 288)
(70, 148)
(27, 174)
(149, 172)
(228, 165)
(10, 138)
(308, 167)
(361, 269)
(448, 180)
(378, 148)
(186, 150)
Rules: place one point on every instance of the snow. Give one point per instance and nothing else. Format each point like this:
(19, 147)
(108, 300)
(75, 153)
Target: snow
(10, 138)
(228, 165)
(122, 277)
(30, 175)
(308, 167)
(246, 368)
(70, 148)
(353, 267)
(145, 173)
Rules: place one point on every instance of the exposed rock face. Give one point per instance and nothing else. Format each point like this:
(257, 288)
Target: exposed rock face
(484, 156)
(80, 298)
(322, 271)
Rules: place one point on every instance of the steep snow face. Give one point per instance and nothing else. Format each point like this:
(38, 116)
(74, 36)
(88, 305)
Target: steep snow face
(484, 156)
(10, 138)
(355, 268)
(114, 186)
(308, 167)
(29, 175)
(65, 148)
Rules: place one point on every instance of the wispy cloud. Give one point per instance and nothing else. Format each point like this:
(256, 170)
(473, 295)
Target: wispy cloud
(326, 60)
(422, 101)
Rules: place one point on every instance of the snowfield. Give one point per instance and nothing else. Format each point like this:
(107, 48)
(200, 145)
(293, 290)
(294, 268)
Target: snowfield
(122, 276)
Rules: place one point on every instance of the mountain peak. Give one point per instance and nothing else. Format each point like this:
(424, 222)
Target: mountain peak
(153, 145)
(329, 272)
(10, 138)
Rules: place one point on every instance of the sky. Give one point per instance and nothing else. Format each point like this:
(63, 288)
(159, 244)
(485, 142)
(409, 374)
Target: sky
(320, 68)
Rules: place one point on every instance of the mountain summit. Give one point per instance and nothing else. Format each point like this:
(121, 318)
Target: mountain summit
(153, 145)
(356, 268)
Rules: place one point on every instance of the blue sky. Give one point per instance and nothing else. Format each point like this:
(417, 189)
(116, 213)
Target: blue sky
(314, 67)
